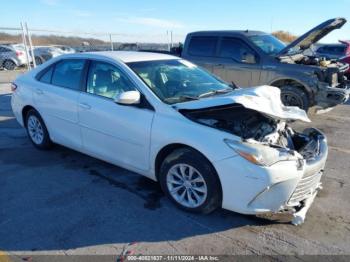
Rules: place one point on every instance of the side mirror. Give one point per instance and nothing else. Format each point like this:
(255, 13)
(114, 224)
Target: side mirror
(248, 58)
(128, 98)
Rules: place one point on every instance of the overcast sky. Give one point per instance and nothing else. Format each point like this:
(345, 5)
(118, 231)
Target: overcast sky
(149, 20)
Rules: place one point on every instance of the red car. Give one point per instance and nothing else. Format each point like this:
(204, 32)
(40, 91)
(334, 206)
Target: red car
(346, 57)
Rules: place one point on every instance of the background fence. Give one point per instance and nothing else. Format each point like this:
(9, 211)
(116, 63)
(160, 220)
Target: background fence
(24, 47)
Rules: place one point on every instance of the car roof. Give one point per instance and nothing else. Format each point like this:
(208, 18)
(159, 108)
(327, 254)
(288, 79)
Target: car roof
(126, 56)
(227, 33)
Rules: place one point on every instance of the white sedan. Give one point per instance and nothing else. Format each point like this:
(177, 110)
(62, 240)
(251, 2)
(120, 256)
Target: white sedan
(208, 144)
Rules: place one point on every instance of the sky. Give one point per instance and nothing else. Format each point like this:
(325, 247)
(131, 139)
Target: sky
(150, 20)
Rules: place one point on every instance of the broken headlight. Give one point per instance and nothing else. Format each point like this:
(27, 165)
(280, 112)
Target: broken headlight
(261, 154)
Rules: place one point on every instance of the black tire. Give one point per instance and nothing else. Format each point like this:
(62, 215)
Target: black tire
(9, 65)
(38, 60)
(295, 96)
(194, 159)
(44, 143)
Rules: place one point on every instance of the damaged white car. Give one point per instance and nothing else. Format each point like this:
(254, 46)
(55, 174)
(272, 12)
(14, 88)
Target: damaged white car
(208, 144)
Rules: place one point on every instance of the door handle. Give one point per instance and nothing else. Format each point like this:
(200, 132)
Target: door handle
(85, 106)
(39, 92)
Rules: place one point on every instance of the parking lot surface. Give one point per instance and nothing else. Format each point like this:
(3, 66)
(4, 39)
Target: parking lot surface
(63, 202)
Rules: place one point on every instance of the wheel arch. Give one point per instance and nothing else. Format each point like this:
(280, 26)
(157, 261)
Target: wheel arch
(25, 111)
(168, 149)
(293, 82)
(10, 59)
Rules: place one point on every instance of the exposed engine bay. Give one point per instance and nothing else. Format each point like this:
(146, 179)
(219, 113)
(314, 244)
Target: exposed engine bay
(252, 125)
(327, 70)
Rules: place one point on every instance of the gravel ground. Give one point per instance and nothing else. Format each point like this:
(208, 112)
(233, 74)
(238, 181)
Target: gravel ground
(63, 202)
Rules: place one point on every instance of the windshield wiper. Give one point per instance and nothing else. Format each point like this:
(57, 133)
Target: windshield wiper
(216, 92)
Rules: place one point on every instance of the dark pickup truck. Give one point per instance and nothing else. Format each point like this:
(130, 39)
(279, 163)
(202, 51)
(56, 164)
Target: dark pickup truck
(251, 58)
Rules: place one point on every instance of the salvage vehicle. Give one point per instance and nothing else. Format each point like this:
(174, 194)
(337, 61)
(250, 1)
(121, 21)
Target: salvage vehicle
(207, 143)
(250, 58)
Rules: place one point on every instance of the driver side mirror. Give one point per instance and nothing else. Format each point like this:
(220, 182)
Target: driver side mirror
(248, 58)
(128, 98)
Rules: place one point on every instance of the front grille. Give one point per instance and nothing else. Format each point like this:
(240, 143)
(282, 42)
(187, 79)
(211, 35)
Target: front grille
(306, 187)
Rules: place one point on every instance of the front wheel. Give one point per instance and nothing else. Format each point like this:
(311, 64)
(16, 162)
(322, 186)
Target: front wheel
(190, 181)
(294, 96)
(37, 131)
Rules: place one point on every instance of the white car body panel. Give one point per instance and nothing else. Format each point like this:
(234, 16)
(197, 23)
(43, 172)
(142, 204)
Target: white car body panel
(132, 137)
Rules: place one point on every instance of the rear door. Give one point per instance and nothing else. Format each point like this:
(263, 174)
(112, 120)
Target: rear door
(201, 51)
(116, 133)
(56, 98)
(239, 63)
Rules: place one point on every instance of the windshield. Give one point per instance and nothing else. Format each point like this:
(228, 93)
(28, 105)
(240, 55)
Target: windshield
(268, 43)
(175, 81)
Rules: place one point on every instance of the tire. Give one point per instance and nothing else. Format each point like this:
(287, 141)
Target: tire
(37, 131)
(295, 96)
(9, 65)
(205, 189)
(38, 60)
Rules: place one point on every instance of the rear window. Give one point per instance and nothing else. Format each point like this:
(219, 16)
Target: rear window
(68, 73)
(202, 46)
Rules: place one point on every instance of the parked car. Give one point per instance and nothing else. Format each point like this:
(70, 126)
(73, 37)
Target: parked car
(251, 58)
(334, 51)
(207, 144)
(65, 49)
(45, 53)
(346, 59)
(11, 57)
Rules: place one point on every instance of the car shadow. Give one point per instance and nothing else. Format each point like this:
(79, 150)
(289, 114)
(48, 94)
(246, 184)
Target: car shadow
(61, 199)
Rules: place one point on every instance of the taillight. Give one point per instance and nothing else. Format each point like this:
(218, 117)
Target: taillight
(19, 53)
(13, 87)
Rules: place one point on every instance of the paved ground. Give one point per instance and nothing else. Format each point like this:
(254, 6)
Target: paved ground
(63, 202)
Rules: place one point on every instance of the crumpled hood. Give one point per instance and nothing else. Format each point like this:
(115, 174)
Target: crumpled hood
(264, 99)
(313, 36)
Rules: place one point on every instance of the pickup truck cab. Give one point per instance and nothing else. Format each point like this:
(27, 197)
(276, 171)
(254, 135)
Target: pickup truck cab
(250, 58)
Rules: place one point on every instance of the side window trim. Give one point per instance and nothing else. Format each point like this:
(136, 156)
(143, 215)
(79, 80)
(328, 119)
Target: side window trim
(145, 104)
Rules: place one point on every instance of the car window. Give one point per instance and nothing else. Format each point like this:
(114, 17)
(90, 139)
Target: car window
(46, 77)
(202, 46)
(238, 50)
(4, 49)
(67, 73)
(107, 80)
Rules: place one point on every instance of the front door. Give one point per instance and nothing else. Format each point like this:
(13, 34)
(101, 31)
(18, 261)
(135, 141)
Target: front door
(116, 133)
(238, 63)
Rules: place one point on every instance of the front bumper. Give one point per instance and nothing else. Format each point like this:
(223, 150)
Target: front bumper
(285, 187)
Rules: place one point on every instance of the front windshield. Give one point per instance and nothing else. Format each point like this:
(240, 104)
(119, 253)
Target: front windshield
(175, 81)
(268, 43)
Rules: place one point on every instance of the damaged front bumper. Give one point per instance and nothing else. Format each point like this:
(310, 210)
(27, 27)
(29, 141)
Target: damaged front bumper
(294, 208)
(328, 97)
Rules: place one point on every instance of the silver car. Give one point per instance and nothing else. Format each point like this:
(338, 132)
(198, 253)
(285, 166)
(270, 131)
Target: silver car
(12, 57)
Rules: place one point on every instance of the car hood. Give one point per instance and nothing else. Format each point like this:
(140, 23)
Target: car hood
(264, 99)
(313, 36)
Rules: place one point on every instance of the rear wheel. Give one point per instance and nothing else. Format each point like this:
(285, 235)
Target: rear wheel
(9, 65)
(38, 60)
(37, 131)
(190, 181)
(294, 96)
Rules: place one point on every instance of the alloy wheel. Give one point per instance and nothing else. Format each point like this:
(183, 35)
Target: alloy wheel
(186, 185)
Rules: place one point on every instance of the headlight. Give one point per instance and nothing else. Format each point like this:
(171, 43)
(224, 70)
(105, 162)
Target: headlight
(260, 154)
